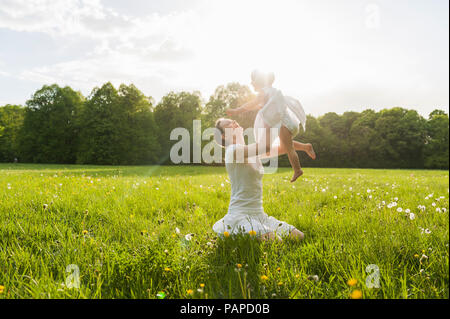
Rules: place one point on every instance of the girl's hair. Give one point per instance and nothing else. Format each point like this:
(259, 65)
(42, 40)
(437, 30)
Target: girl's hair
(263, 79)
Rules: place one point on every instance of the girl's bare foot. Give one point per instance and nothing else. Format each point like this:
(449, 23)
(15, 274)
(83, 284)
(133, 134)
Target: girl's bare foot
(296, 175)
(310, 151)
(296, 235)
(270, 236)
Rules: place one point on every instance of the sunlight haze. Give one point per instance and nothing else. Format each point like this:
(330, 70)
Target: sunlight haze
(334, 56)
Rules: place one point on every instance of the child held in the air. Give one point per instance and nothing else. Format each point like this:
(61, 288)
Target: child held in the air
(277, 111)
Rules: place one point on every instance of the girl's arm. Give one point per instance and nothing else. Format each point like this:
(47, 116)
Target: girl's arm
(254, 104)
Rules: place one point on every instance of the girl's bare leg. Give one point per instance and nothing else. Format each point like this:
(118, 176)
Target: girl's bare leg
(286, 140)
(281, 149)
(307, 148)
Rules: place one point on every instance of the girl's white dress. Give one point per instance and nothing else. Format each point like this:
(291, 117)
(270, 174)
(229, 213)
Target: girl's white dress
(245, 212)
(278, 111)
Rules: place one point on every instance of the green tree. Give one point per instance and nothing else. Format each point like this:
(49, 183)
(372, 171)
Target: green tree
(400, 138)
(362, 140)
(437, 143)
(334, 135)
(228, 96)
(11, 120)
(101, 123)
(49, 132)
(176, 110)
(139, 132)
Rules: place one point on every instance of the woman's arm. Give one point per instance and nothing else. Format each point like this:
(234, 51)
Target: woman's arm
(242, 153)
(254, 104)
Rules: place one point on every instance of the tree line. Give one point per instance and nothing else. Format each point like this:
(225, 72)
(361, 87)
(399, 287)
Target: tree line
(124, 127)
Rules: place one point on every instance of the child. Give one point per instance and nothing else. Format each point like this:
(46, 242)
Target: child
(280, 111)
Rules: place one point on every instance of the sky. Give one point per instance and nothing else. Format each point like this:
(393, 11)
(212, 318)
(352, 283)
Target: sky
(334, 56)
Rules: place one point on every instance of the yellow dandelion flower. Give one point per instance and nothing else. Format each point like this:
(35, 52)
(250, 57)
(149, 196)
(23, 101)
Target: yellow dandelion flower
(202, 285)
(85, 232)
(278, 269)
(264, 277)
(352, 282)
(356, 294)
(226, 234)
(416, 255)
(189, 291)
(252, 233)
(2, 288)
(239, 265)
(167, 269)
(297, 276)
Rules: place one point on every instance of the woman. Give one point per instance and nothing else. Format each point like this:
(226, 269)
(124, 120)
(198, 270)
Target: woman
(245, 212)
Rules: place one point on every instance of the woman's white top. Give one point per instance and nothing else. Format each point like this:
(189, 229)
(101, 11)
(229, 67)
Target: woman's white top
(245, 212)
(280, 110)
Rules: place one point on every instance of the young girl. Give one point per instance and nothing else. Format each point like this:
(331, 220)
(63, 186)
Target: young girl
(277, 111)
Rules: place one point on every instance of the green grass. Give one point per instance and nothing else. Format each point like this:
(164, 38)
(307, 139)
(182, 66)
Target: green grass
(118, 225)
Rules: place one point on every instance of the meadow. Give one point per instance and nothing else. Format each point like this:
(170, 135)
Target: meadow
(70, 231)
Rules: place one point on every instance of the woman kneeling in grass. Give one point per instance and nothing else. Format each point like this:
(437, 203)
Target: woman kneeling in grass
(245, 213)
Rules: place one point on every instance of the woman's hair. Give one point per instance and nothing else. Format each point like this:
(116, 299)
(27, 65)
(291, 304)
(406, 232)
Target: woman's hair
(219, 133)
(263, 79)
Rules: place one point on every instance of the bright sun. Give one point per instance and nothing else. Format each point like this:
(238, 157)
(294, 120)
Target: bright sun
(262, 36)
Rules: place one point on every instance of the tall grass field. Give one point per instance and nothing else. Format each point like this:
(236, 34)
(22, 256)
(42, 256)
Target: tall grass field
(146, 232)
